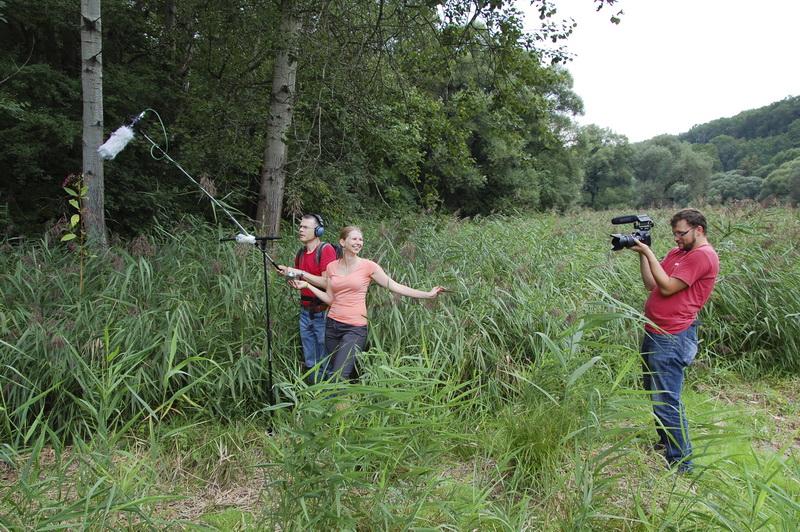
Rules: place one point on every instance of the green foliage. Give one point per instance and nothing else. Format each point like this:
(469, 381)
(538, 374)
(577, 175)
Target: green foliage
(752, 143)
(608, 179)
(758, 340)
(40, 128)
(791, 172)
(75, 187)
(39, 139)
(512, 402)
(397, 438)
(755, 142)
(727, 151)
(669, 171)
(449, 114)
(772, 120)
(733, 186)
(781, 183)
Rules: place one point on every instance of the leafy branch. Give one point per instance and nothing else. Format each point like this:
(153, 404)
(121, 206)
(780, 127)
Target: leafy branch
(75, 187)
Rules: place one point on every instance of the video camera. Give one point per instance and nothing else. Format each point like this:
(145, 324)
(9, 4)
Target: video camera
(641, 223)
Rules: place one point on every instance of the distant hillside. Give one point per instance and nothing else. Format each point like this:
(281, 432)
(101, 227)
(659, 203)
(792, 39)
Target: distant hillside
(752, 139)
(769, 121)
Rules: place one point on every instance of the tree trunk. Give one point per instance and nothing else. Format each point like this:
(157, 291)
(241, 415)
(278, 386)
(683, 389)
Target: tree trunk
(281, 112)
(93, 216)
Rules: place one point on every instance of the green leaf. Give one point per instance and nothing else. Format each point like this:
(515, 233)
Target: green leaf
(581, 370)
(68, 236)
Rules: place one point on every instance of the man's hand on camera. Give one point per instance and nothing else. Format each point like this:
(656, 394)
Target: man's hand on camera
(640, 247)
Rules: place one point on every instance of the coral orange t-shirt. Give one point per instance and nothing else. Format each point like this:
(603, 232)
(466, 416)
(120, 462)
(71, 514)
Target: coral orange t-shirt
(350, 292)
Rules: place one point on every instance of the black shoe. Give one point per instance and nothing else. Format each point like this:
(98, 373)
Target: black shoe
(683, 468)
(656, 447)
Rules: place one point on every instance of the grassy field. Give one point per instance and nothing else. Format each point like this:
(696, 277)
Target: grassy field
(135, 386)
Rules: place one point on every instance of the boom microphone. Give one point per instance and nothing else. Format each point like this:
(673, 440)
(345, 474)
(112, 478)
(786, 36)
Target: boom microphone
(249, 239)
(119, 139)
(624, 219)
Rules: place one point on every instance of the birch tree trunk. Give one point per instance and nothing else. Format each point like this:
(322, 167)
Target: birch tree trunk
(281, 112)
(93, 216)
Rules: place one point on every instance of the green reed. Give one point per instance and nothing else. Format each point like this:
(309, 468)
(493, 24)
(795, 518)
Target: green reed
(511, 402)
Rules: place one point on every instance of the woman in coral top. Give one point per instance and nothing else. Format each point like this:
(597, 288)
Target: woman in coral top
(348, 280)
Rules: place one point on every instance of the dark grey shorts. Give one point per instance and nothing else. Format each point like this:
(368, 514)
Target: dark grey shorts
(343, 342)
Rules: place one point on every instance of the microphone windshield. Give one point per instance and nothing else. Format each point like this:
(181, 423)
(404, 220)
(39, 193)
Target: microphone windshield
(116, 143)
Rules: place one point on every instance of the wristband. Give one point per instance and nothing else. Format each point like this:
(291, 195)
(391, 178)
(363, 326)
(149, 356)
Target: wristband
(307, 285)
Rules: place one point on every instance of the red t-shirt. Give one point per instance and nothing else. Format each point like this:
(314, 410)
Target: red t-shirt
(350, 292)
(698, 268)
(308, 263)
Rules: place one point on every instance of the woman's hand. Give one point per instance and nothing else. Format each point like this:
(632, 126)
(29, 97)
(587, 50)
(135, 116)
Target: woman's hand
(436, 291)
(298, 284)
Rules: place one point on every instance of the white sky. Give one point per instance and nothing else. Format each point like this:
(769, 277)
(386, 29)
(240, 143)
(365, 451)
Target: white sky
(671, 64)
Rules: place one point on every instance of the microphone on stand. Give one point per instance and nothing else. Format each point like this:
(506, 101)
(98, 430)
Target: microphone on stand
(249, 239)
(119, 139)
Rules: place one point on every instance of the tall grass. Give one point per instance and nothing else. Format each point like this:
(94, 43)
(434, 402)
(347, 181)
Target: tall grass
(510, 403)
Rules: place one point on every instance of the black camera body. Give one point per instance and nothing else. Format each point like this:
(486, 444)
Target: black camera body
(642, 223)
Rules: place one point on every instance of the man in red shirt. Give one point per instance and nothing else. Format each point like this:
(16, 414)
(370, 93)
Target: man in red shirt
(310, 264)
(679, 286)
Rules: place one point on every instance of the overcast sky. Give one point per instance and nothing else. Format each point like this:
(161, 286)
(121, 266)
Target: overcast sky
(671, 64)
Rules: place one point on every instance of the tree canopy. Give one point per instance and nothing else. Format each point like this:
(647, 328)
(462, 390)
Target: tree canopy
(397, 107)
(393, 107)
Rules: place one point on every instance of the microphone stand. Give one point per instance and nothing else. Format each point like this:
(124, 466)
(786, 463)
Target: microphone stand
(259, 241)
(261, 245)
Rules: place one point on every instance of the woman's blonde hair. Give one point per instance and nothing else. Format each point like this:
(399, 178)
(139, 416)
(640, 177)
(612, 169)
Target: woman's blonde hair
(347, 230)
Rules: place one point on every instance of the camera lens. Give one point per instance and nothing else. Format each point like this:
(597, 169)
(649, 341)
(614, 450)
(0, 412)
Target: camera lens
(628, 241)
(619, 242)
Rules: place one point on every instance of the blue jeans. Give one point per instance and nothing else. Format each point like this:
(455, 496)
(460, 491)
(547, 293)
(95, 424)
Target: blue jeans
(312, 336)
(664, 358)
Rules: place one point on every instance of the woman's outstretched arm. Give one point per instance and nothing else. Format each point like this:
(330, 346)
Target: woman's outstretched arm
(380, 277)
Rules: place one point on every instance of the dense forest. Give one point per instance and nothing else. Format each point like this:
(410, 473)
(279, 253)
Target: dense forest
(392, 108)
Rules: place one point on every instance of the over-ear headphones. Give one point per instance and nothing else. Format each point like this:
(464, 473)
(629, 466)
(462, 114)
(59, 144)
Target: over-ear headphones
(320, 228)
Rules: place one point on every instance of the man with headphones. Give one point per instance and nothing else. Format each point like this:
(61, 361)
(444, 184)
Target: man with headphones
(310, 263)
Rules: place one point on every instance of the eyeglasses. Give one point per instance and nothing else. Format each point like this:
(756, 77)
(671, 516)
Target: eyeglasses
(681, 234)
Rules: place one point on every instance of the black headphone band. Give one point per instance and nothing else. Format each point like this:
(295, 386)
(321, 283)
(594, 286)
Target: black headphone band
(320, 221)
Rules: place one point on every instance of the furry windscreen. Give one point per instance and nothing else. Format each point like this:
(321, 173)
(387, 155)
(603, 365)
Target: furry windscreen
(116, 143)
